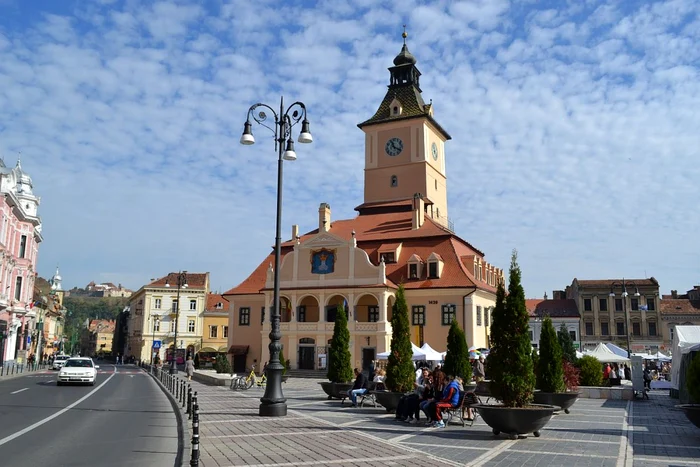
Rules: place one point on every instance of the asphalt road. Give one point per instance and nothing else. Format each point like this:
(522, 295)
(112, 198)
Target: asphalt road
(124, 420)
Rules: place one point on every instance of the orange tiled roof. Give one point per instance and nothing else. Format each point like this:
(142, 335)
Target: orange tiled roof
(102, 325)
(213, 299)
(194, 280)
(679, 306)
(565, 308)
(373, 231)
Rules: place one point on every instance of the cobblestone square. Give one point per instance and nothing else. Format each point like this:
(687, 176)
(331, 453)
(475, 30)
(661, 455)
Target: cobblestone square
(321, 432)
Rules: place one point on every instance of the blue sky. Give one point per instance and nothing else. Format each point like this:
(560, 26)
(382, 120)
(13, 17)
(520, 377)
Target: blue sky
(575, 128)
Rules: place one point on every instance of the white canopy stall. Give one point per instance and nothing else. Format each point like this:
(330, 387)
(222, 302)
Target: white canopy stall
(431, 355)
(686, 339)
(418, 354)
(605, 355)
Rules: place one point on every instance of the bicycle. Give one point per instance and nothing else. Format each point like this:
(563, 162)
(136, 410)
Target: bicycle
(246, 382)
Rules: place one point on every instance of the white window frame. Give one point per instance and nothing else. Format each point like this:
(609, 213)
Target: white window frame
(172, 325)
(191, 325)
(213, 332)
(225, 331)
(157, 303)
(193, 304)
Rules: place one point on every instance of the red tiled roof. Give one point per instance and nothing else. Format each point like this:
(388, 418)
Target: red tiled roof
(102, 325)
(214, 299)
(679, 306)
(194, 280)
(565, 308)
(373, 231)
(609, 282)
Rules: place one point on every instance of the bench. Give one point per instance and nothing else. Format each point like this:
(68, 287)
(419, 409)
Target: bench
(466, 401)
(369, 395)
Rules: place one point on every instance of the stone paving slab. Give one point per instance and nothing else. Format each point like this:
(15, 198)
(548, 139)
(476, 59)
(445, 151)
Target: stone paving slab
(319, 432)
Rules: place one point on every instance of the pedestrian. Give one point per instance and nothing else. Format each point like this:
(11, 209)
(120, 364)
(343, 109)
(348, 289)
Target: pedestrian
(189, 368)
(479, 372)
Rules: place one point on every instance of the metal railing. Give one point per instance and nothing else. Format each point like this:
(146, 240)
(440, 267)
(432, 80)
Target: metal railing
(181, 391)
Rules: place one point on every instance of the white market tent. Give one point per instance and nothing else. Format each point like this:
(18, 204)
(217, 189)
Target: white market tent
(605, 355)
(418, 354)
(616, 349)
(686, 339)
(657, 356)
(431, 355)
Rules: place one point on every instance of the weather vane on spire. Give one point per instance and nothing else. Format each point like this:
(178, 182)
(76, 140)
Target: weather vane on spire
(404, 35)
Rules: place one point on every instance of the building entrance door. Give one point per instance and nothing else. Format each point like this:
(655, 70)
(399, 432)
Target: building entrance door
(239, 362)
(306, 356)
(367, 357)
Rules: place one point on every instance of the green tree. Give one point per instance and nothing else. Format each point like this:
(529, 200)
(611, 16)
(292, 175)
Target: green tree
(550, 373)
(400, 371)
(591, 373)
(221, 364)
(692, 379)
(510, 359)
(339, 363)
(567, 344)
(457, 358)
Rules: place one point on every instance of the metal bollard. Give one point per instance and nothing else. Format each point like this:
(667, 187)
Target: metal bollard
(189, 401)
(194, 461)
(182, 393)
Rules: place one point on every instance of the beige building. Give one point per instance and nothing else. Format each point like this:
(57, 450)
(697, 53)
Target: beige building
(560, 310)
(155, 311)
(603, 316)
(96, 338)
(679, 310)
(215, 329)
(401, 235)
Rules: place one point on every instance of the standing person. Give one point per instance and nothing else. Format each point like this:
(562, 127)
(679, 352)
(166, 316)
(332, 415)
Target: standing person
(189, 368)
(360, 387)
(479, 372)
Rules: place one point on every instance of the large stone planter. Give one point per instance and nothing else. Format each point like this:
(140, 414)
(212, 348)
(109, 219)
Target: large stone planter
(516, 421)
(692, 411)
(335, 390)
(388, 399)
(562, 399)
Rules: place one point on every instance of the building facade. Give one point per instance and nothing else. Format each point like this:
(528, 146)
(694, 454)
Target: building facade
(215, 328)
(679, 310)
(603, 316)
(96, 337)
(50, 316)
(107, 289)
(154, 314)
(560, 310)
(401, 235)
(20, 237)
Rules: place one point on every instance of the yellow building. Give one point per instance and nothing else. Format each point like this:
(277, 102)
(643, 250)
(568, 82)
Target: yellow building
(215, 330)
(96, 338)
(401, 235)
(154, 313)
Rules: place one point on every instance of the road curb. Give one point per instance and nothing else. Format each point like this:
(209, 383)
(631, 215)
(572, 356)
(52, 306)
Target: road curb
(24, 373)
(183, 431)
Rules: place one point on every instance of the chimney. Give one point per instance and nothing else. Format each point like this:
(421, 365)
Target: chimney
(418, 217)
(559, 295)
(545, 295)
(674, 293)
(295, 232)
(324, 217)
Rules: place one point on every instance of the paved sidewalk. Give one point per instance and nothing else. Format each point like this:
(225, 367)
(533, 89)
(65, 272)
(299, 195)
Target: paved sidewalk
(318, 432)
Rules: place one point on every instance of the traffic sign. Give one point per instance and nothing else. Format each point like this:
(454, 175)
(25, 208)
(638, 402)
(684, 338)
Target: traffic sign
(156, 344)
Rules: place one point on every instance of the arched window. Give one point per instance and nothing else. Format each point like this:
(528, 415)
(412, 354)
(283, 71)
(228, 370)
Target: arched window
(394, 181)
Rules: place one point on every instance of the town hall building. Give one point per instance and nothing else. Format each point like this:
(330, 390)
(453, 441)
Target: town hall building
(401, 235)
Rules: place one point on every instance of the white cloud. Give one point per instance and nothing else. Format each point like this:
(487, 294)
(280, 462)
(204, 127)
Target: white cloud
(575, 130)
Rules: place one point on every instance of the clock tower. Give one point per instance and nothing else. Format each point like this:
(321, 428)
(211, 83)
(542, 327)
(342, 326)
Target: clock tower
(404, 145)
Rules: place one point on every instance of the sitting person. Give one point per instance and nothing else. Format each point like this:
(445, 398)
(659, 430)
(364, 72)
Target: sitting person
(360, 387)
(406, 402)
(379, 376)
(439, 384)
(450, 398)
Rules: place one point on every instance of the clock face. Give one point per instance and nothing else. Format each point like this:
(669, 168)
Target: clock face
(394, 147)
(434, 150)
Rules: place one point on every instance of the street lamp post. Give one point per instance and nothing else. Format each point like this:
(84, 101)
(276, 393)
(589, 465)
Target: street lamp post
(181, 284)
(623, 285)
(273, 402)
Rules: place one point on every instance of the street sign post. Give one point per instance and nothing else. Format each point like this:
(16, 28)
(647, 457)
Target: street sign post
(156, 344)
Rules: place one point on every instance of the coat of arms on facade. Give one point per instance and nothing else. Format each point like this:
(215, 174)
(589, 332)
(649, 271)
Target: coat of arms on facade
(322, 261)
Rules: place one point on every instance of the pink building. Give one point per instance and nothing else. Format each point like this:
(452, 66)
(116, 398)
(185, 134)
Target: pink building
(20, 235)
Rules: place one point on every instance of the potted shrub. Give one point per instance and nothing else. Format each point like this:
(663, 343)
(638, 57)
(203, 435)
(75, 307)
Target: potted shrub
(510, 365)
(692, 383)
(457, 358)
(550, 370)
(222, 365)
(339, 366)
(400, 371)
(566, 343)
(591, 371)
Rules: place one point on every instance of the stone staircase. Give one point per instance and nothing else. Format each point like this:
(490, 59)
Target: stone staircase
(308, 374)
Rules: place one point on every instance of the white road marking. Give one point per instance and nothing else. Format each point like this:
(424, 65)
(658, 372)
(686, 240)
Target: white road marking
(19, 390)
(487, 456)
(625, 455)
(7, 439)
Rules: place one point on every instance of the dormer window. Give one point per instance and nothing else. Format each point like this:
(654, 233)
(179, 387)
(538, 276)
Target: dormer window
(435, 266)
(394, 181)
(219, 306)
(388, 257)
(395, 108)
(415, 267)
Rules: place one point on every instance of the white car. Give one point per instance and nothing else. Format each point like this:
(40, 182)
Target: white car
(59, 361)
(77, 370)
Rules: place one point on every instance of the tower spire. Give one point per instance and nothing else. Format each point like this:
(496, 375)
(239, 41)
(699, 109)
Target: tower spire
(404, 35)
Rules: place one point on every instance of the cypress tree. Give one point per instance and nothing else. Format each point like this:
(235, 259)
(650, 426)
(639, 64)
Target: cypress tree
(550, 372)
(566, 343)
(339, 364)
(400, 371)
(457, 358)
(510, 359)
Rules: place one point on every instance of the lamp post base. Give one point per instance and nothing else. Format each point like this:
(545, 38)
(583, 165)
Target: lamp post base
(273, 410)
(273, 403)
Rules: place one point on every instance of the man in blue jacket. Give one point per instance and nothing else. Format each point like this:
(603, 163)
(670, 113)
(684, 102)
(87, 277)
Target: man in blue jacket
(450, 398)
(360, 387)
